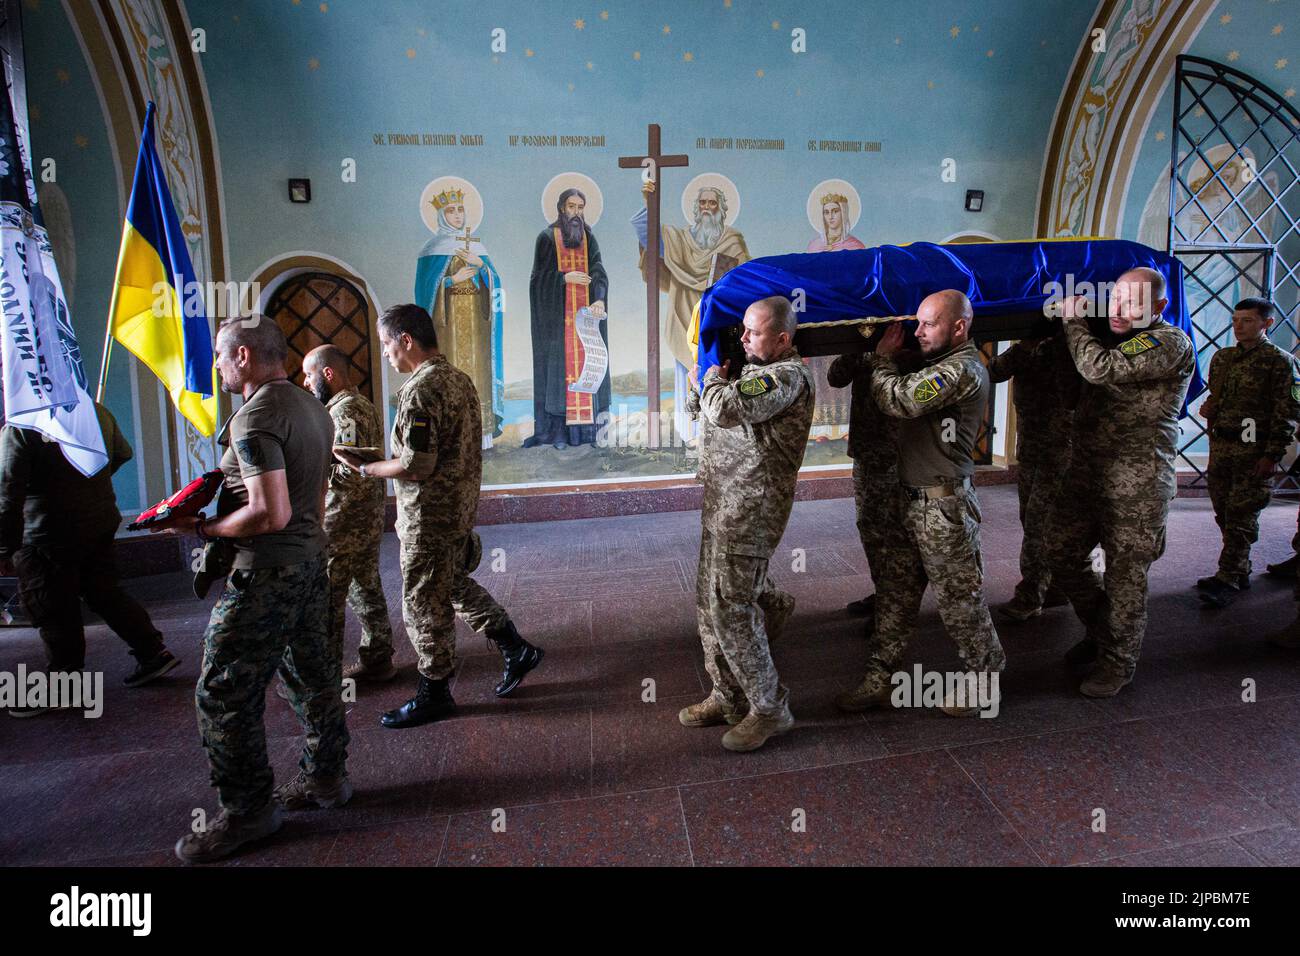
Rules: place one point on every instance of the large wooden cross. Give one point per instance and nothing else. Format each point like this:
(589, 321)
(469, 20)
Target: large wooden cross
(652, 162)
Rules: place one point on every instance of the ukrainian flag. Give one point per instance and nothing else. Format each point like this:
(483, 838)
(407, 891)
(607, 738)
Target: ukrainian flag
(148, 313)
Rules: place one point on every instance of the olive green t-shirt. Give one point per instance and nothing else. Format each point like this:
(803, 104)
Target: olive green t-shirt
(280, 428)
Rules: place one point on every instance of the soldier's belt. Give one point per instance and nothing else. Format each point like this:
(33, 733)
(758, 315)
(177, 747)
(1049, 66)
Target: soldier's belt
(932, 492)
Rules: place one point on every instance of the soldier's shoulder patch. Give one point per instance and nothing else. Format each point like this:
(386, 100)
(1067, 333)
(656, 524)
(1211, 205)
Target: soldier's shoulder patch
(756, 386)
(1142, 342)
(928, 389)
(417, 432)
(250, 452)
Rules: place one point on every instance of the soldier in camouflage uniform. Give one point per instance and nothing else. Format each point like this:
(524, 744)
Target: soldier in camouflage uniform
(437, 443)
(1251, 415)
(354, 516)
(1122, 477)
(941, 407)
(750, 453)
(273, 612)
(1045, 393)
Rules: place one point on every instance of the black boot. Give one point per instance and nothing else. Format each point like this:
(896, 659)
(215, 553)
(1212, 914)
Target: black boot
(432, 701)
(519, 655)
(1285, 569)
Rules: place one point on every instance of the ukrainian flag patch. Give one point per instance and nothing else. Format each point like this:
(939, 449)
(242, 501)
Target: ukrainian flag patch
(928, 389)
(1142, 342)
(756, 386)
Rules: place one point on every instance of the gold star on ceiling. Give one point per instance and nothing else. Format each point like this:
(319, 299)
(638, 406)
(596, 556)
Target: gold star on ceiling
(604, 14)
(688, 56)
(570, 87)
(1281, 64)
(590, 65)
(81, 141)
(667, 29)
(1277, 30)
(63, 76)
(579, 24)
(897, 40)
(1233, 56)
(759, 74)
(410, 53)
(930, 85)
(324, 8)
(727, 4)
(496, 59)
(636, 54)
(1199, 111)
(989, 54)
(297, 3)
(1289, 94)
(235, 18)
(528, 52)
(1160, 136)
(776, 24)
(313, 64)
(954, 31)
(419, 31)
(976, 28)
(1226, 19)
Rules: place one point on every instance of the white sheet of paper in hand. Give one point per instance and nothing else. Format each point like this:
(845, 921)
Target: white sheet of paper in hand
(595, 362)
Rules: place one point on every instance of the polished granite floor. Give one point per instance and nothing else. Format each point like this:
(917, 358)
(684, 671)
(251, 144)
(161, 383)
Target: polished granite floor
(581, 769)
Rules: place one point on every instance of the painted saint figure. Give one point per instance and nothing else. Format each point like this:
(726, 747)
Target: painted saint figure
(458, 284)
(831, 414)
(567, 276)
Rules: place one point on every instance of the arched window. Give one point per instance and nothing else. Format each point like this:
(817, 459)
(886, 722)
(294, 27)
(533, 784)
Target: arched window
(316, 308)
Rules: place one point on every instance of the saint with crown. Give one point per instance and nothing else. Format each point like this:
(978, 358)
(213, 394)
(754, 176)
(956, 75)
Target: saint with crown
(457, 282)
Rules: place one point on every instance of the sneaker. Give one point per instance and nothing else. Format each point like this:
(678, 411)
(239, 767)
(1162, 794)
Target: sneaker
(152, 669)
(755, 730)
(371, 673)
(304, 792)
(227, 833)
(708, 713)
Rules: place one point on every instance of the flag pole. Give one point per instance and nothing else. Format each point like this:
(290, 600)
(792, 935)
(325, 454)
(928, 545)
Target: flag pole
(103, 362)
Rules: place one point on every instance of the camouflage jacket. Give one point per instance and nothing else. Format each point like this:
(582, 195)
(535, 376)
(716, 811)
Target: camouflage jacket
(1126, 422)
(1254, 401)
(753, 432)
(352, 500)
(873, 435)
(438, 436)
(941, 406)
(1046, 390)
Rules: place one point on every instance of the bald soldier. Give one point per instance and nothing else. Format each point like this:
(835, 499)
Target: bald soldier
(752, 441)
(1122, 475)
(940, 407)
(354, 516)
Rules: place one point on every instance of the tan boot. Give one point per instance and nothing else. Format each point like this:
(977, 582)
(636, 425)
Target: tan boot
(709, 713)
(1017, 611)
(968, 708)
(754, 731)
(311, 793)
(874, 691)
(227, 833)
(777, 617)
(1105, 681)
(370, 673)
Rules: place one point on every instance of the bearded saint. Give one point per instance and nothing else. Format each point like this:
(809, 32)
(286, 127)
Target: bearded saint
(831, 413)
(686, 257)
(567, 276)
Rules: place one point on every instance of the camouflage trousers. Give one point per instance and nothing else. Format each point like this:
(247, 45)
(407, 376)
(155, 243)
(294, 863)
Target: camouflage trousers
(936, 541)
(269, 619)
(1131, 532)
(436, 588)
(875, 497)
(354, 581)
(1038, 484)
(1238, 497)
(732, 591)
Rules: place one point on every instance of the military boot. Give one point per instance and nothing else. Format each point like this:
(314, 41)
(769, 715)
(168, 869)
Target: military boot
(1285, 569)
(777, 617)
(370, 672)
(1218, 593)
(432, 701)
(708, 713)
(1018, 610)
(1106, 681)
(874, 691)
(864, 607)
(227, 833)
(306, 792)
(754, 731)
(1055, 597)
(520, 657)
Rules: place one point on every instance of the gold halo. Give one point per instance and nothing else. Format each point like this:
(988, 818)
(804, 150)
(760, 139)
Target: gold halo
(473, 201)
(558, 184)
(845, 189)
(1219, 156)
(717, 181)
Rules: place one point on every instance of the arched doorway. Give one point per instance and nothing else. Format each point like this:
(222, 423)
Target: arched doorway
(315, 308)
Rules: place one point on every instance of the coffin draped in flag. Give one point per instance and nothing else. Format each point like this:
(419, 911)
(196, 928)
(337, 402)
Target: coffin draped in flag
(157, 312)
(44, 382)
(885, 282)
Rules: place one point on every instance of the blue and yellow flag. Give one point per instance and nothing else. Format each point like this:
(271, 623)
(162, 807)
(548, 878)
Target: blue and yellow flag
(157, 311)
